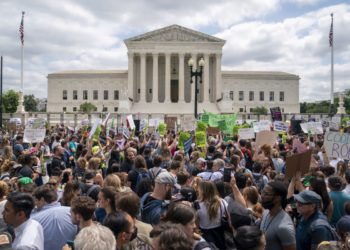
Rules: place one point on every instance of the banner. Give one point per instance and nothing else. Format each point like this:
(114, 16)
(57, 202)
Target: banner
(337, 145)
(298, 162)
(276, 114)
(266, 137)
(281, 126)
(246, 133)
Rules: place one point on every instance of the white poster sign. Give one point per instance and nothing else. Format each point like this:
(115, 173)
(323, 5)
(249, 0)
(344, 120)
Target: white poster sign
(337, 145)
(154, 122)
(34, 135)
(281, 126)
(130, 121)
(312, 127)
(246, 133)
(263, 125)
(97, 122)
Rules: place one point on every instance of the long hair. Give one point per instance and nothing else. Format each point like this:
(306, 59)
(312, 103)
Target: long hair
(318, 185)
(210, 196)
(113, 181)
(111, 194)
(140, 162)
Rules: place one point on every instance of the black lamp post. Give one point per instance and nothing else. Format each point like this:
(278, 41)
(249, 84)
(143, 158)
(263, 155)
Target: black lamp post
(197, 74)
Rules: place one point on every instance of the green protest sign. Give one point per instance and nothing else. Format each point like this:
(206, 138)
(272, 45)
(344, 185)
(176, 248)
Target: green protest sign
(201, 139)
(161, 129)
(184, 136)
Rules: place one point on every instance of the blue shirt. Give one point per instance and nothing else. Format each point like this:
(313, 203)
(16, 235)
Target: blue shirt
(309, 235)
(57, 225)
(338, 198)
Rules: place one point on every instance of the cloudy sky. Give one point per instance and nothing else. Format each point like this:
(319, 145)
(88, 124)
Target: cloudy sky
(273, 35)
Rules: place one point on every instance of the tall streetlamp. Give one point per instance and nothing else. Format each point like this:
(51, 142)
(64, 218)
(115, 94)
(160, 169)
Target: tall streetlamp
(197, 74)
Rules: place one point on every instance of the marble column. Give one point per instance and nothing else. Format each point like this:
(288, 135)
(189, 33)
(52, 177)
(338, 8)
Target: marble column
(167, 78)
(155, 78)
(206, 78)
(218, 86)
(181, 78)
(143, 78)
(131, 75)
(194, 57)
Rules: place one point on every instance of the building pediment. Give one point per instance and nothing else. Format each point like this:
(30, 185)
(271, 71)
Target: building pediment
(175, 33)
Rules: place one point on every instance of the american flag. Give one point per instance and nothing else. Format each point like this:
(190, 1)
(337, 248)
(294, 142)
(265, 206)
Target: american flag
(187, 145)
(331, 33)
(21, 29)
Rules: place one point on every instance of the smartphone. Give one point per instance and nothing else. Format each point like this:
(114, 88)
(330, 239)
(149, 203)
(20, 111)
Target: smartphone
(227, 174)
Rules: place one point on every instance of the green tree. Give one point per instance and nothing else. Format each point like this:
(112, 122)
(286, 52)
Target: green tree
(10, 101)
(30, 103)
(87, 107)
(260, 110)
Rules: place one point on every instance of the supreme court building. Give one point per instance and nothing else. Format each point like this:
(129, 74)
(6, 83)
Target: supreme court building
(157, 80)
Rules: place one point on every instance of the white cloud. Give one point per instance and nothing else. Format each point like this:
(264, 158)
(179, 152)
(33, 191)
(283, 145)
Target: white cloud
(87, 34)
(296, 45)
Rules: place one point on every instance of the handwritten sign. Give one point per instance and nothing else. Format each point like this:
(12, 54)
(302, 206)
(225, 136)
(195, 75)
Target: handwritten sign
(298, 162)
(34, 135)
(281, 126)
(246, 133)
(312, 127)
(130, 121)
(263, 125)
(337, 144)
(266, 137)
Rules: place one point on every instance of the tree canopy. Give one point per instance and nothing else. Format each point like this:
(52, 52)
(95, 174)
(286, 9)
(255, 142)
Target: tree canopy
(10, 101)
(30, 103)
(87, 107)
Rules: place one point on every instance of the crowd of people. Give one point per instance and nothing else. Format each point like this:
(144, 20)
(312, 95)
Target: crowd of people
(74, 191)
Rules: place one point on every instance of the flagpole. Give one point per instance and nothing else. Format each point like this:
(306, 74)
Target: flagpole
(332, 64)
(20, 108)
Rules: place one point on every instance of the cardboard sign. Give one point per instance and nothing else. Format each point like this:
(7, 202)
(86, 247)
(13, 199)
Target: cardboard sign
(170, 122)
(213, 131)
(34, 135)
(298, 162)
(298, 147)
(276, 114)
(130, 121)
(337, 145)
(246, 133)
(281, 126)
(263, 125)
(266, 137)
(312, 127)
(11, 126)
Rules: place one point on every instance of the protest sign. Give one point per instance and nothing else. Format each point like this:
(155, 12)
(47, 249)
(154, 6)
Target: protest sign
(312, 127)
(298, 147)
(36, 123)
(11, 126)
(334, 126)
(201, 139)
(126, 132)
(266, 137)
(213, 131)
(188, 123)
(263, 125)
(337, 145)
(336, 119)
(162, 129)
(298, 162)
(170, 122)
(246, 133)
(130, 121)
(34, 135)
(276, 114)
(104, 123)
(153, 122)
(97, 122)
(281, 126)
(143, 124)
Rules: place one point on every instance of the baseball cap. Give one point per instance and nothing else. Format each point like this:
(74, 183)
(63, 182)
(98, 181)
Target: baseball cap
(308, 196)
(165, 178)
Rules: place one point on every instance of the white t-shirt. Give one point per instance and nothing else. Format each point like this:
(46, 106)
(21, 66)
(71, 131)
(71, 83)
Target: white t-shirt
(204, 221)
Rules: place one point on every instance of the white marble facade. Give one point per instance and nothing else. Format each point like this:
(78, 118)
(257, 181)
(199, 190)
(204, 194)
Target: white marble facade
(158, 80)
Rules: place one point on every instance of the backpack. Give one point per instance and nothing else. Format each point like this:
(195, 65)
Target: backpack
(204, 245)
(89, 190)
(322, 222)
(258, 181)
(152, 175)
(141, 175)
